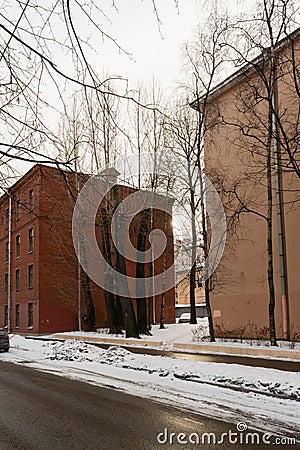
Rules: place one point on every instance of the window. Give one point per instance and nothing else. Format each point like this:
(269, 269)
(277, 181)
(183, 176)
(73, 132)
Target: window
(18, 246)
(17, 316)
(6, 283)
(17, 279)
(30, 276)
(31, 200)
(30, 240)
(6, 252)
(30, 315)
(18, 214)
(6, 316)
(6, 218)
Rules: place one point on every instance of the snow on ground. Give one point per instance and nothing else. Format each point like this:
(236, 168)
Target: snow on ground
(186, 333)
(172, 333)
(265, 399)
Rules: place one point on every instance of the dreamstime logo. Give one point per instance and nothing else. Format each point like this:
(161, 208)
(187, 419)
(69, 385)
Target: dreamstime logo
(239, 437)
(99, 190)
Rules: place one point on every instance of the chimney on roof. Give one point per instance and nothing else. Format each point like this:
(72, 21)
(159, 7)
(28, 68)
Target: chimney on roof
(110, 175)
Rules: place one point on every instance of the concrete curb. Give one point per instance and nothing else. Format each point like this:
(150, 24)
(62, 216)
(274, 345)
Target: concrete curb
(211, 348)
(238, 351)
(112, 341)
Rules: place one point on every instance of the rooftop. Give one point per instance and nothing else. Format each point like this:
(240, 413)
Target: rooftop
(245, 70)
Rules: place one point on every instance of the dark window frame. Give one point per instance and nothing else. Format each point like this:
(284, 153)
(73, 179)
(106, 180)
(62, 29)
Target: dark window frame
(30, 315)
(18, 273)
(17, 317)
(30, 240)
(6, 283)
(18, 246)
(6, 252)
(5, 316)
(6, 218)
(30, 276)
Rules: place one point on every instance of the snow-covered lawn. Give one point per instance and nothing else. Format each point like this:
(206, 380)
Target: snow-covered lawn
(265, 399)
(172, 333)
(190, 334)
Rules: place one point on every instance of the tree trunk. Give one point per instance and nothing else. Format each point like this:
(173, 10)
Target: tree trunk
(162, 303)
(149, 308)
(119, 317)
(89, 317)
(209, 314)
(193, 318)
(142, 313)
(269, 226)
(128, 314)
(206, 284)
(114, 324)
(151, 301)
(205, 250)
(140, 273)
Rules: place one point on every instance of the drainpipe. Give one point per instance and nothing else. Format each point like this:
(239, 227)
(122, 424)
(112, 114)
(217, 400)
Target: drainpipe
(9, 265)
(78, 288)
(280, 221)
(78, 261)
(152, 284)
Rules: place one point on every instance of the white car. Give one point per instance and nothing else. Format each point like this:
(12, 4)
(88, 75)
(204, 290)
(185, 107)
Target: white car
(184, 317)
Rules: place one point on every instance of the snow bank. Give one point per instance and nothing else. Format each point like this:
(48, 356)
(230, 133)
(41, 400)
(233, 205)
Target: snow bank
(72, 350)
(251, 379)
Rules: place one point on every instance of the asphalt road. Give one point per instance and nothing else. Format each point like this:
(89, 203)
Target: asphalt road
(42, 411)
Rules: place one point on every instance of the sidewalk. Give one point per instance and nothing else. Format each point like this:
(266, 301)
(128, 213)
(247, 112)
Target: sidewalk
(206, 348)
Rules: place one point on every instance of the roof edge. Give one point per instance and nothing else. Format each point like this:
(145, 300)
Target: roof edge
(232, 79)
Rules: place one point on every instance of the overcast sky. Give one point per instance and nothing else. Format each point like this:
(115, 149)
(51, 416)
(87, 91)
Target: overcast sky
(156, 50)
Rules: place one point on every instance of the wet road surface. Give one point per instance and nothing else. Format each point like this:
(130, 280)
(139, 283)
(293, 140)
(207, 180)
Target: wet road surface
(41, 411)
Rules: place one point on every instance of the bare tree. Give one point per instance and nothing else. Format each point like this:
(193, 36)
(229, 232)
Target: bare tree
(46, 53)
(149, 137)
(204, 58)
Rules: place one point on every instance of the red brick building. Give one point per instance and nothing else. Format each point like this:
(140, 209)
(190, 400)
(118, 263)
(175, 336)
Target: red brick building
(38, 265)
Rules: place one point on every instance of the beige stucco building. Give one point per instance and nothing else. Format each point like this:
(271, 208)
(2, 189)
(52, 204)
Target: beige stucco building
(235, 158)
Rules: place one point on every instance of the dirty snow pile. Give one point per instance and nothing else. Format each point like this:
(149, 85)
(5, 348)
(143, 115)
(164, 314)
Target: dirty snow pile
(273, 388)
(75, 350)
(252, 379)
(72, 350)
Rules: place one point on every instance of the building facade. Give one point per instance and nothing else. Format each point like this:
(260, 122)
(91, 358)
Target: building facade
(40, 290)
(235, 149)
